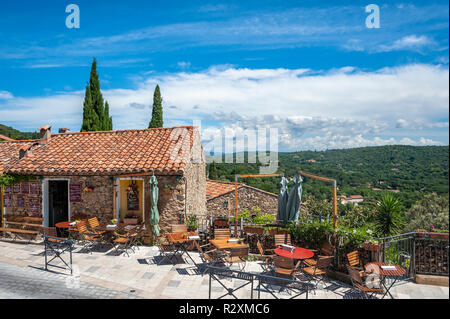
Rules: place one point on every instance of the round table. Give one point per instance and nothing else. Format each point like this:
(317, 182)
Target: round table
(298, 253)
(63, 224)
(375, 268)
(63, 228)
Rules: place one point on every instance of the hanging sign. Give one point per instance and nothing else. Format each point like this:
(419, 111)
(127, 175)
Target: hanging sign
(7, 200)
(34, 188)
(16, 188)
(34, 205)
(75, 192)
(24, 188)
(133, 198)
(20, 201)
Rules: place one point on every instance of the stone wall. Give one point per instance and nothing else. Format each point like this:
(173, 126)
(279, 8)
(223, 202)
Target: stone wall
(11, 201)
(98, 203)
(249, 197)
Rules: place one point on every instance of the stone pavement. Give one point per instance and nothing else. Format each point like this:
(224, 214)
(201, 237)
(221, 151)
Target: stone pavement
(102, 274)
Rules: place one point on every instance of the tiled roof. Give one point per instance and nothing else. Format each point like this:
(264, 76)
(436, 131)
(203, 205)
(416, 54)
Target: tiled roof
(9, 153)
(217, 188)
(164, 150)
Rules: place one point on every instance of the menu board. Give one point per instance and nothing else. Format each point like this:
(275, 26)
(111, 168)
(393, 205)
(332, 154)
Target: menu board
(34, 205)
(133, 199)
(75, 192)
(34, 188)
(25, 188)
(7, 200)
(16, 188)
(8, 189)
(20, 201)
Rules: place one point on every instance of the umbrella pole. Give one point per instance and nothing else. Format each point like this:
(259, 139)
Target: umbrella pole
(235, 206)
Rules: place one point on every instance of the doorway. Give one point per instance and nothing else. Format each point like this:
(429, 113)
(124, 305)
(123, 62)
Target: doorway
(58, 201)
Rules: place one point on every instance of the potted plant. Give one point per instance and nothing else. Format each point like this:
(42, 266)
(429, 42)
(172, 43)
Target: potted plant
(168, 189)
(131, 219)
(372, 245)
(191, 223)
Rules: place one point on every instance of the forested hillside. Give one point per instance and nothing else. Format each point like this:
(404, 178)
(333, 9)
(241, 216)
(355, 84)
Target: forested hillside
(16, 134)
(410, 171)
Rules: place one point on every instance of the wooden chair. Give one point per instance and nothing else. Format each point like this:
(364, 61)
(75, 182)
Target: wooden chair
(359, 283)
(268, 258)
(178, 228)
(74, 230)
(88, 239)
(285, 266)
(326, 250)
(280, 239)
(124, 242)
(166, 249)
(237, 255)
(50, 231)
(354, 261)
(222, 233)
(136, 236)
(94, 224)
(211, 256)
(318, 272)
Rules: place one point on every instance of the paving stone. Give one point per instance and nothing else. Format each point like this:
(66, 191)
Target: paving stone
(148, 275)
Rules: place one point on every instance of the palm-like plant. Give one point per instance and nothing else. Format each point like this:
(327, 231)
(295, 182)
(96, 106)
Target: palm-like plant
(389, 218)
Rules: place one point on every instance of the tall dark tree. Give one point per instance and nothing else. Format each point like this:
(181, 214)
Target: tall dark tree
(157, 112)
(95, 112)
(212, 171)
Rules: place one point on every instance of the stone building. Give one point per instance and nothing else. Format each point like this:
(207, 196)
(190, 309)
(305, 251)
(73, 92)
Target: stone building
(74, 175)
(220, 199)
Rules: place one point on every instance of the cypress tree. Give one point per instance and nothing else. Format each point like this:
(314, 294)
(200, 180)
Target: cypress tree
(108, 119)
(95, 112)
(212, 171)
(157, 113)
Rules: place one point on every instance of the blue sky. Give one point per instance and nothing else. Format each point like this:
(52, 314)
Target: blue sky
(311, 69)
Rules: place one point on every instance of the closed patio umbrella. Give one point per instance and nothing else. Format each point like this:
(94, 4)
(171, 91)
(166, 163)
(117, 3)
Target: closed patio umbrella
(154, 214)
(295, 196)
(282, 200)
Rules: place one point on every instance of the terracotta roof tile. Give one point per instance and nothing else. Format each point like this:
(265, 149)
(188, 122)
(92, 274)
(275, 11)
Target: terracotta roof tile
(9, 152)
(217, 188)
(110, 153)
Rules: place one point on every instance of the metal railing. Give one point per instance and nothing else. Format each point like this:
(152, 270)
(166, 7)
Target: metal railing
(418, 253)
(57, 247)
(255, 281)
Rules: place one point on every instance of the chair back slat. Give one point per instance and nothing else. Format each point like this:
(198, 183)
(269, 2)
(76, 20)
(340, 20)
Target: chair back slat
(178, 228)
(283, 262)
(353, 258)
(49, 231)
(239, 252)
(324, 262)
(355, 276)
(281, 239)
(221, 233)
(81, 227)
(93, 222)
(327, 249)
(260, 248)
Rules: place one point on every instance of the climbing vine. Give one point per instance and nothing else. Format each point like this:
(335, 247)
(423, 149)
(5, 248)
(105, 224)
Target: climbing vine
(11, 179)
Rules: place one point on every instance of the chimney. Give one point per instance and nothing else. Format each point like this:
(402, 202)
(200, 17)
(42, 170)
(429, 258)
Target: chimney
(45, 134)
(23, 151)
(64, 130)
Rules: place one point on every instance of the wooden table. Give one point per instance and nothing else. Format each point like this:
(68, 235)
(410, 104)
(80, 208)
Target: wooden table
(375, 268)
(64, 228)
(224, 244)
(180, 241)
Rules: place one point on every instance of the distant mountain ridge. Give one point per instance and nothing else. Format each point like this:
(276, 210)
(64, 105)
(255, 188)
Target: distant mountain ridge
(409, 170)
(10, 132)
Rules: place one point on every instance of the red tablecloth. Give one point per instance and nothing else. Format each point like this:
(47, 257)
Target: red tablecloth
(298, 253)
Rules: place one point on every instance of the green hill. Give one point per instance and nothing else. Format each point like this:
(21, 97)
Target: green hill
(16, 134)
(367, 171)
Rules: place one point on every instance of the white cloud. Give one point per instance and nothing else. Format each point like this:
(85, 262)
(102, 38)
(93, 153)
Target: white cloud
(409, 42)
(341, 107)
(5, 95)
